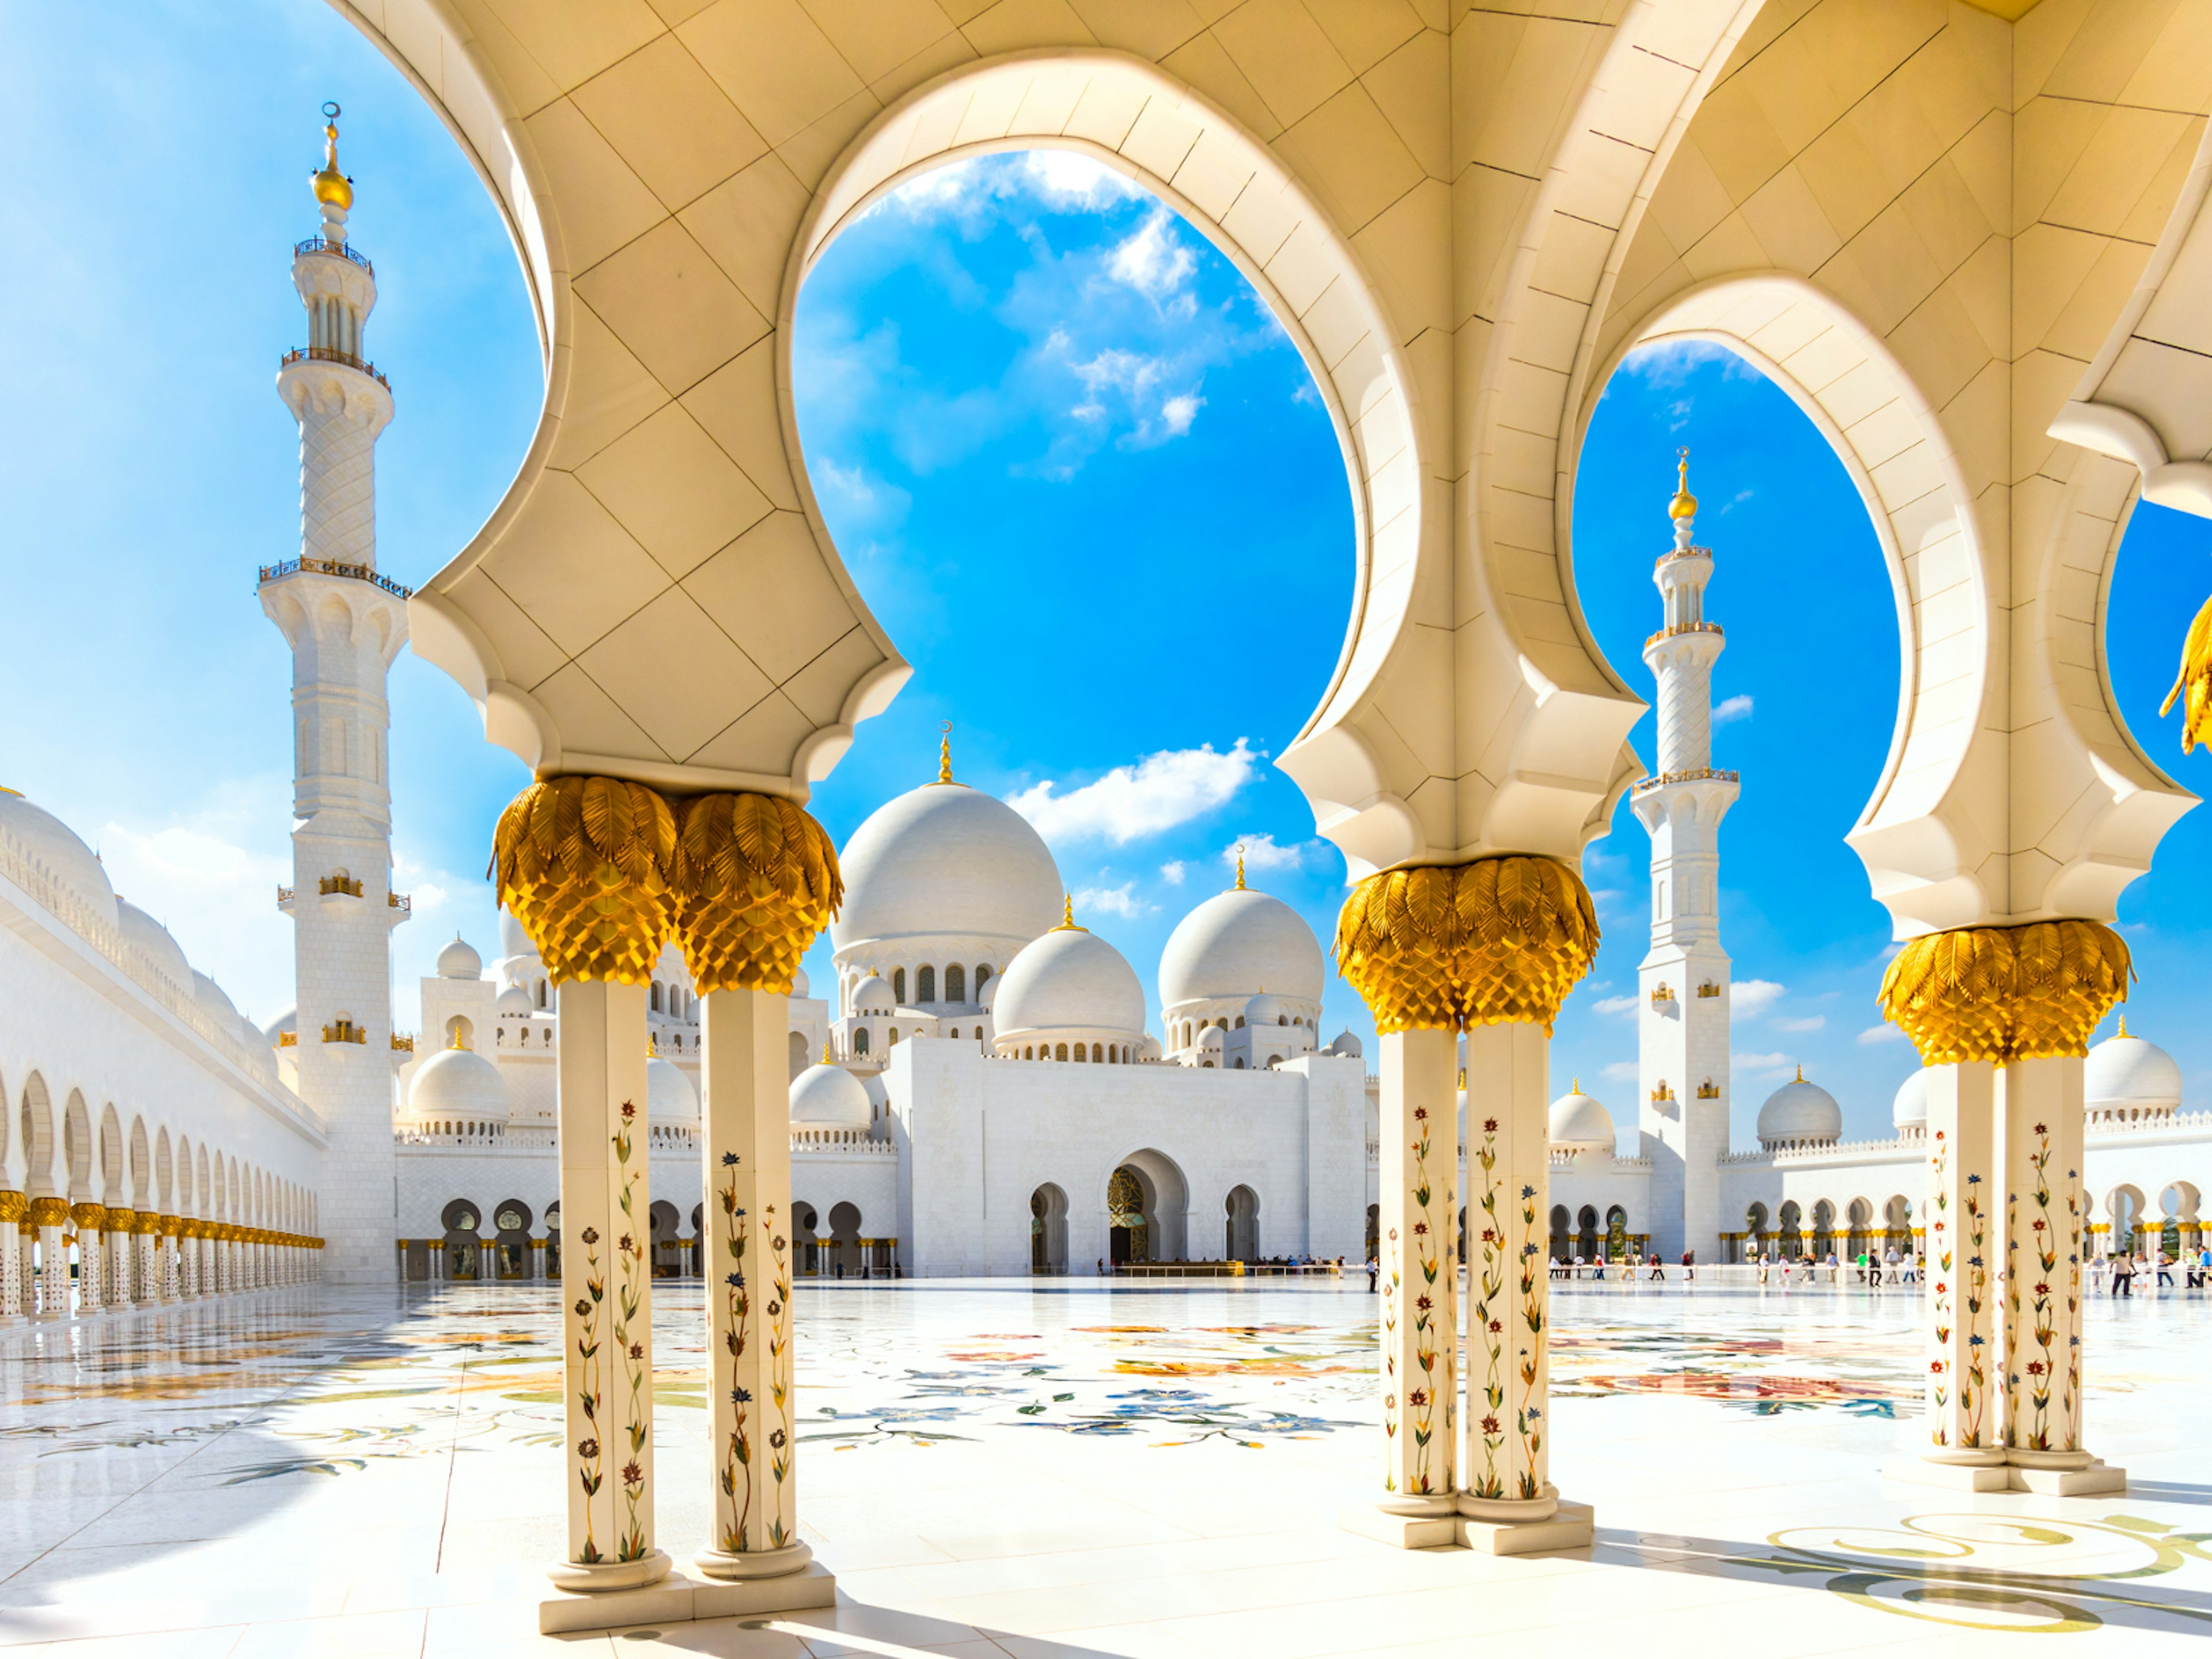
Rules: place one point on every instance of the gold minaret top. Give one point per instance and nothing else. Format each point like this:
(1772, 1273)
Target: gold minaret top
(1068, 916)
(945, 754)
(332, 188)
(1685, 505)
(1239, 866)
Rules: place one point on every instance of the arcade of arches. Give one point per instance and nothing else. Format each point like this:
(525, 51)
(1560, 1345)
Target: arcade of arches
(1972, 246)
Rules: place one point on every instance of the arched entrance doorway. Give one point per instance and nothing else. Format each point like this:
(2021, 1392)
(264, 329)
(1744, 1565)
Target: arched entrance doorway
(1147, 1209)
(464, 1248)
(511, 1247)
(1048, 1230)
(1242, 1207)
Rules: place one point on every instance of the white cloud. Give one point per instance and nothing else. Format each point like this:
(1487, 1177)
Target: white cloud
(1884, 1033)
(1762, 1065)
(1810, 1023)
(1753, 997)
(1733, 709)
(1154, 260)
(941, 189)
(1626, 1005)
(1173, 871)
(202, 877)
(1621, 1071)
(1179, 411)
(1261, 852)
(1111, 902)
(1066, 179)
(1161, 791)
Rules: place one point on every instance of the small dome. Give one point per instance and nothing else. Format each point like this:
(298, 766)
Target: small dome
(1211, 1037)
(946, 859)
(458, 1085)
(1347, 1046)
(1266, 1011)
(514, 1000)
(155, 940)
(1150, 1050)
(1581, 1120)
(2127, 1074)
(212, 1001)
(459, 961)
(990, 997)
(829, 1097)
(72, 865)
(874, 995)
(1239, 943)
(1070, 979)
(1910, 1110)
(669, 1097)
(1800, 1113)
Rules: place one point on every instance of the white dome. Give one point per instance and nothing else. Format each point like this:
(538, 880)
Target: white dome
(68, 860)
(459, 961)
(512, 941)
(514, 1000)
(1347, 1046)
(458, 1085)
(1799, 1112)
(213, 1003)
(1581, 1120)
(829, 1097)
(1910, 1110)
(2126, 1073)
(1212, 1037)
(990, 997)
(873, 992)
(798, 982)
(946, 859)
(155, 940)
(1069, 979)
(1266, 1011)
(669, 1095)
(1239, 943)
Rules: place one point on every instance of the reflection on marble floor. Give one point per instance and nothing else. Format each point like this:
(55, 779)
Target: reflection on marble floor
(1069, 1469)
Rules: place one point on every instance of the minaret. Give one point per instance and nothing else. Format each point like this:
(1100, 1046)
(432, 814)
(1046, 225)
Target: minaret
(345, 624)
(1683, 1018)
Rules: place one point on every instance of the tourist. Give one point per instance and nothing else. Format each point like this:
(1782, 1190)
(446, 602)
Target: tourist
(1892, 1261)
(1762, 1269)
(2165, 1272)
(1373, 1268)
(1658, 1273)
(1834, 1267)
(1689, 1267)
(2124, 1275)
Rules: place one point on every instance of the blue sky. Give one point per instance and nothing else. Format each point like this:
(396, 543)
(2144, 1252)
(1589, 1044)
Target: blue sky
(1074, 466)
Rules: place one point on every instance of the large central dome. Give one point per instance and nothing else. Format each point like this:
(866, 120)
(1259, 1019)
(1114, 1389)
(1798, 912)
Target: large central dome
(946, 859)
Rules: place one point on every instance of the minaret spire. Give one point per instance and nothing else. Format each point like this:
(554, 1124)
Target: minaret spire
(1683, 1034)
(345, 623)
(945, 754)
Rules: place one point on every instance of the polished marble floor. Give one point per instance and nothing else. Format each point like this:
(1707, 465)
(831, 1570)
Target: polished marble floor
(1065, 1468)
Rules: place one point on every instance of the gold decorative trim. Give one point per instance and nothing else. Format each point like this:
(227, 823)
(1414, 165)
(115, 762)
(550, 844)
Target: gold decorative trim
(94, 1217)
(2195, 676)
(49, 1211)
(1499, 941)
(14, 1206)
(2005, 994)
(757, 879)
(583, 864)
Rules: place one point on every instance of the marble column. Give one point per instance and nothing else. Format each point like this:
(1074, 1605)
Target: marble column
(171, 1259)
(2043, 1120)
(1965, 1419)
(747, 1150)
(123, 1286)
(27, 1265)
(1419, 1316)
(1509, 1282)
(607, 1323)
(538, 1258)
(50, 1216)
(89, 1221)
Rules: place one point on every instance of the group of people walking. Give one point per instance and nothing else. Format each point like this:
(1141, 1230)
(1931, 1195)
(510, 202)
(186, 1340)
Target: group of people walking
(2117, 1275)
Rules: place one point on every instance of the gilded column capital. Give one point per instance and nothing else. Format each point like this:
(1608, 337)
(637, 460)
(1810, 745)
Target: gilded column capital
(168, 1225)
(584, 864)
(2001, 995)
(757, 879)
(93, 1216)
(1499, 941)
(147, 1221)
(14, 1206)
(49, 1211)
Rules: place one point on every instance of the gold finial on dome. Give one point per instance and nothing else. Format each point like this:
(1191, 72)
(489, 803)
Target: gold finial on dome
(1068, 915)
(1578, 1085)
(1801, 1070)
(1239, 866)
(2124, 1026)
(945, 754)
(1685, 505)
(332, 188)
(825, 1051)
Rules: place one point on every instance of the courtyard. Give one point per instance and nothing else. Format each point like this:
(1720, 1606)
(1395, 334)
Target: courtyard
(1054, 1468)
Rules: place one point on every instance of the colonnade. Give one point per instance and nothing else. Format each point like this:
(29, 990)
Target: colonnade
(126, 1259)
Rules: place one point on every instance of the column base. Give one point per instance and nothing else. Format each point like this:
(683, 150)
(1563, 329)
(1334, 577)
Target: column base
(1974, 1468)
(599, 1578)
(2063, 1475)
(748, 1566)
(677, 1600)
(1549, 1524)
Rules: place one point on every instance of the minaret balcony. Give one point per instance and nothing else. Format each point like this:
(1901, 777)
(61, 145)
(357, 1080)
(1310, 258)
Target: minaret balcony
(1698, 775)
(341, 250)
(1677, 629)
(330, 354)
(360, 572)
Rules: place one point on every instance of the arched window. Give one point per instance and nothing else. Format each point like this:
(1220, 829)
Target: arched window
(861, 1040)
(925, 983)
(1028, 1054)
(1240, 1022)
(956, 1030)
(956, 984)
(894, 1036)
(1062, 1053)
(898, 985)
(656, 997)
(541, 993)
